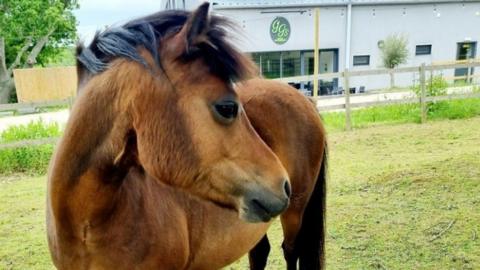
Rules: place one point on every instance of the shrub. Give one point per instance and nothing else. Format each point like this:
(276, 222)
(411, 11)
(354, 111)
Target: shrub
(394, 50)
(402, 113)
(32, 159)
(33, 130)
(436, 86)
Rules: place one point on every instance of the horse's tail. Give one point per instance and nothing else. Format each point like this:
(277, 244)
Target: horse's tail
(313, 229)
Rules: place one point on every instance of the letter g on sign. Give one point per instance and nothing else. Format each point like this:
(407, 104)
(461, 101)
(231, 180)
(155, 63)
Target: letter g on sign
(280, 30)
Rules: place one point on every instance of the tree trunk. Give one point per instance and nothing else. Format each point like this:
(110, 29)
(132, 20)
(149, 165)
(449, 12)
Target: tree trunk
(3, 65)
(5, 80)
(16, 63)
(32, 57)
(7, 84)
(6, 89)
(392, 79)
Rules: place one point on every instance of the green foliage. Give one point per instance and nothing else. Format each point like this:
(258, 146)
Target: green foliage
(455, 109)
(436, 86)
(64, 57)
(33, 130)
(394, 50)
(402, 113)
(30, 160)
(476, 89)
(20, 19)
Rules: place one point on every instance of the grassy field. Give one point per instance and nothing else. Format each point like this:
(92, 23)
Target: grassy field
(403, 113)
(400, 197)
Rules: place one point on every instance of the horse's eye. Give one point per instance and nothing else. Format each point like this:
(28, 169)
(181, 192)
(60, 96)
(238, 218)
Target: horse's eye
(226, 110)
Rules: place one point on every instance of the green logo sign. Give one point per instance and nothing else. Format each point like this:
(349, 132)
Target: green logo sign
(280, 30)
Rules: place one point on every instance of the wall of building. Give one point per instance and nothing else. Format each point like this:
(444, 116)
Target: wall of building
(442, 25)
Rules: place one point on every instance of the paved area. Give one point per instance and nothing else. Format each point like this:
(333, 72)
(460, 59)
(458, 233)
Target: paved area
(364, 98)
(60, 117)
(372, 97)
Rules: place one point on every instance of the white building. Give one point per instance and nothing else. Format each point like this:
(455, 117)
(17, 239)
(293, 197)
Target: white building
(350, 33)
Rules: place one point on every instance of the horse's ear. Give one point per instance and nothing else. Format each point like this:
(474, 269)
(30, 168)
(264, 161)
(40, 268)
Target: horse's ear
(193, 33)
(82, 71)
(197, 25)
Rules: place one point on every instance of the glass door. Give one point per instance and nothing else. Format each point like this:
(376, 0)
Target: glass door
(328, 64)
(465, 50)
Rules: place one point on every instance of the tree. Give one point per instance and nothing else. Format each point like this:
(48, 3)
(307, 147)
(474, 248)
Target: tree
(394, 52)
(32, 32)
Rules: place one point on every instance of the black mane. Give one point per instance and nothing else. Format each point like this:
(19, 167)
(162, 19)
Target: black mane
(222, 58)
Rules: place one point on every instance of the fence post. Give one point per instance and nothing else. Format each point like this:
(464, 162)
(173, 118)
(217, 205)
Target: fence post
(469, 70)
(423, 94)
(70, 103)
(346, 84)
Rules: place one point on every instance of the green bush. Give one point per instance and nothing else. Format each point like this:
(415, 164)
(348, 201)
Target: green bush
(476, 89)
(32, 159)
(402, 113)
(436, 86)
(33, 130)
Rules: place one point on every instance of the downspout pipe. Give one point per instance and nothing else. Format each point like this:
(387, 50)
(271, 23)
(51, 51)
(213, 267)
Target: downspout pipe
(348, 35)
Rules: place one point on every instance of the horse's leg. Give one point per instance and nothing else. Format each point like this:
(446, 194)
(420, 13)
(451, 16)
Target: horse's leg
(311, 238)
(291, 222)
(259, 254)
(304, 228)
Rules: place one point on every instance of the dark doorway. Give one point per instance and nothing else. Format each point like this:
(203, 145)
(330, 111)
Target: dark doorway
(328, 63)
(465, 50)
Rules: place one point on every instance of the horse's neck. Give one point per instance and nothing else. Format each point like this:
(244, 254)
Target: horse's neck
(81, 168)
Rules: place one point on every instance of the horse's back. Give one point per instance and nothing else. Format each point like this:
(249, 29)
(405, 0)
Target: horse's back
(288, 122)
(290, 125)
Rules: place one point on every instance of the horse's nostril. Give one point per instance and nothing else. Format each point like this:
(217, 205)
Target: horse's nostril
(287, 188)
(260, 206)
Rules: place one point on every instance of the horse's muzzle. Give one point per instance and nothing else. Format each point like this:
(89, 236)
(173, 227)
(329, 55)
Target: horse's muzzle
(261, 205)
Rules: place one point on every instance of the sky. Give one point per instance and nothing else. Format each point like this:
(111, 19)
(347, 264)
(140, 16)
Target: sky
(94, 14)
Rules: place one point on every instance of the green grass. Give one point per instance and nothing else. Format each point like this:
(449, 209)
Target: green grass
(29, 160)
(33, 130)
(22, 224)
(403, 113)
(392, 191)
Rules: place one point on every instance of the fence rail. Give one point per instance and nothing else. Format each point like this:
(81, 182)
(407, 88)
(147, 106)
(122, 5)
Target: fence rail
(370, 72)
(35, 105)
(423, 99)
(396, 101)
(27, 143)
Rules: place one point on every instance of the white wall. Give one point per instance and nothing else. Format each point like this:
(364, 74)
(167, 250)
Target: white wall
(442, 25)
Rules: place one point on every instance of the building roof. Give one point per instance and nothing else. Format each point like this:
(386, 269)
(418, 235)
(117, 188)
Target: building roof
(233, 4)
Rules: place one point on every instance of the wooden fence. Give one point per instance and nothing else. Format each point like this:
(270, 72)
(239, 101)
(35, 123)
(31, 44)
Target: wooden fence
(35, 105)
(45, 84)
(423, 99)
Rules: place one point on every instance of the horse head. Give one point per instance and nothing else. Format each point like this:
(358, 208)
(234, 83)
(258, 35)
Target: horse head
(157, 94)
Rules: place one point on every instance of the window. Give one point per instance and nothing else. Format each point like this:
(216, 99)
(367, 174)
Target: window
(361, 60)
(423, 50)
(278, 64)
(291, 64)
(270, 64)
